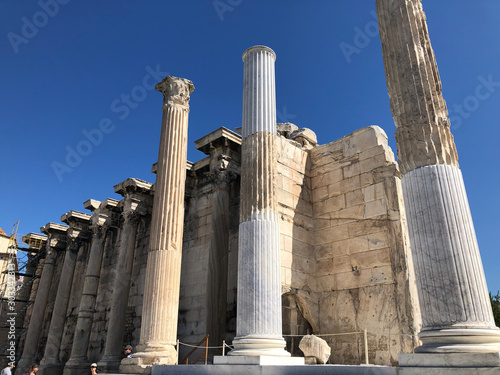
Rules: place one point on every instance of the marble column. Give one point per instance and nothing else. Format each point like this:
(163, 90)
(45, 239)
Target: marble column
(55, 237)
(162, 286)
(258, 322)
(78, 360)
(454, 301)
(132, 213)
(77, 234)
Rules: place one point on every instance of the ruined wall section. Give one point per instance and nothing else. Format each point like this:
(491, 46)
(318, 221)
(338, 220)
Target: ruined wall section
(363, 261)
(194, 269)
(298, 261)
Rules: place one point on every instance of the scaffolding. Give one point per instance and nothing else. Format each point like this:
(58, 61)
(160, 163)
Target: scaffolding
(22, 261)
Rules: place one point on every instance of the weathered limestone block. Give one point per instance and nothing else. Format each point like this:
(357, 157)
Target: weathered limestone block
(306, 137)
(363, 259)
(314, 346)
(286, 129)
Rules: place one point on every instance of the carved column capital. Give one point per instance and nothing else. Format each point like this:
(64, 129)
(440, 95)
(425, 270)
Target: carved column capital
(175, 91)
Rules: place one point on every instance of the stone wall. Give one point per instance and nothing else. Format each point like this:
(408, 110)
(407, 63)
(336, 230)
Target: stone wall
(363, 262)
(298, 263)
(192, 304)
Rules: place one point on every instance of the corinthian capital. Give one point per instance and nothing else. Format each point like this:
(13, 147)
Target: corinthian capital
(175, 90)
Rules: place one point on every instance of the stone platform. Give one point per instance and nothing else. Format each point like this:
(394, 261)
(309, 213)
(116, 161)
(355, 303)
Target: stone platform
(449, 363)
(273, 370)
(260, 360)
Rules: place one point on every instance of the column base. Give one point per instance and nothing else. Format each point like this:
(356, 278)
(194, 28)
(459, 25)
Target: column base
(259, 360)
(141, 363)
(459, 341)
(255, 346)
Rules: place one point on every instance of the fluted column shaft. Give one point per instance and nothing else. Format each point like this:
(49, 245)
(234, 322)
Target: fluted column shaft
(258, 322)
(162, 286)
(455, 305)
(54, 337)
(119, 302)
(36, 320)
(78, 358)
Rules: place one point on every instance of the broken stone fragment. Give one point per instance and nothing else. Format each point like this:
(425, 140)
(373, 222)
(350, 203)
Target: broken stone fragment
(286, 129)
(313, 346)
(306, 137)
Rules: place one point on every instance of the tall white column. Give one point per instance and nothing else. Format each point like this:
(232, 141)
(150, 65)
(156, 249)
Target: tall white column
(258, 322)
(454, 301)
(162, 286)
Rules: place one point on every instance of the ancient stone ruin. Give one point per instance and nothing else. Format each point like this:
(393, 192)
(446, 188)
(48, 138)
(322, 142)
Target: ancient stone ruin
(273, 236)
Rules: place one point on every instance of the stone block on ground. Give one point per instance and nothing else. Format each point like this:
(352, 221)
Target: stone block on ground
(313, 346)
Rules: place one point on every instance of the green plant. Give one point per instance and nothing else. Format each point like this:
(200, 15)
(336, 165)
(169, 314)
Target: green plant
(495, 305)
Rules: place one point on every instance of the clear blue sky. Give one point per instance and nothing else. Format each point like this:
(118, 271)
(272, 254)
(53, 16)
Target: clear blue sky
(93, 62)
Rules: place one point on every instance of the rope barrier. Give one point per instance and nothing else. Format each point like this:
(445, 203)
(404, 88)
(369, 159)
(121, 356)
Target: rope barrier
(364, 332)
(198, 346)
(327, 334)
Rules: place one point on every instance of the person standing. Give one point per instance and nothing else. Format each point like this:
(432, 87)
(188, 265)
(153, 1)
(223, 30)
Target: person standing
(33, 369)
(7, 370)
(128, 351)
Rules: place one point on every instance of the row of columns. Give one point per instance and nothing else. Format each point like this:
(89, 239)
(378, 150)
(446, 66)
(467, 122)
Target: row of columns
(86, 231)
